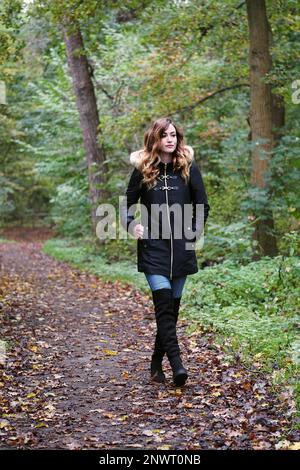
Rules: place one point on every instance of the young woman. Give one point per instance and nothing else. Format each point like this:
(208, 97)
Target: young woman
(166, 178)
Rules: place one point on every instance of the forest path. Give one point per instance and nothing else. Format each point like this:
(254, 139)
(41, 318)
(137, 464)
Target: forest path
(76, 373)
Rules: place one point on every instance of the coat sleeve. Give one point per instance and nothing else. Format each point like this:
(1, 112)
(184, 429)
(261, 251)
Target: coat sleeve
(128, 206)
(198, 196)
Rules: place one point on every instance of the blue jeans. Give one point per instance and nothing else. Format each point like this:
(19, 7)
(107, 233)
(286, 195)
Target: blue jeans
(157, 281)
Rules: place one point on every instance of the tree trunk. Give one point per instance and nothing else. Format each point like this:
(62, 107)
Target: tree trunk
(278, 107)
(89, 117)
(278, 117)
(261, 120)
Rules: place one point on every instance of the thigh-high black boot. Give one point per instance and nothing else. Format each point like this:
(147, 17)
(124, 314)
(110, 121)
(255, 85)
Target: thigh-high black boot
(157, 373)
(166, 328)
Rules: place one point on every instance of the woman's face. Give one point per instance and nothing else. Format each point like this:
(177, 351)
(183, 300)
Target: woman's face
(169, 139)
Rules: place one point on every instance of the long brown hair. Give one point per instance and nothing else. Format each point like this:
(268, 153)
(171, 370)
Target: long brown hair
(149, 162)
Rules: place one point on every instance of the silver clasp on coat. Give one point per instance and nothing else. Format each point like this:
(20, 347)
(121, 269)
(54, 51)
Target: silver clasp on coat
(165, 187)
(166, 177)
(169, 187)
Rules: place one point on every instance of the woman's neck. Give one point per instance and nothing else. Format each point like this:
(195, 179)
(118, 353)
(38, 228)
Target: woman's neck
(166, 157)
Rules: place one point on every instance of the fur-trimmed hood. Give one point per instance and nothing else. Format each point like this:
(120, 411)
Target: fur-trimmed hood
(135, 157)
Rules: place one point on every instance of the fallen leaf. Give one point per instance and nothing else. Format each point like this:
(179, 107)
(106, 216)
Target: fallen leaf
(147, 432)
(4, 423)
(108, 352)
(295, 446)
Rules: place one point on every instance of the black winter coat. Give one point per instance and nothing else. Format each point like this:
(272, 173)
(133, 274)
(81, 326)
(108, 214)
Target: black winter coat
(168, 257)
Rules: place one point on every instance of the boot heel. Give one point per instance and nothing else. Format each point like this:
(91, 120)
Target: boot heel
(166, 327)
(180, 376)
(157, 374)
(179, 371)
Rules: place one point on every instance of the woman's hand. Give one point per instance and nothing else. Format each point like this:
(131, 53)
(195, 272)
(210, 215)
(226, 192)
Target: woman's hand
(138, 231)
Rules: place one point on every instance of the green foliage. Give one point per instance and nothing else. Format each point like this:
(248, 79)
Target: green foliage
(147, 60)
(71, 210)
(290, 243)
(232, 241)
(10, 43)
(256, 307)
(7, 205)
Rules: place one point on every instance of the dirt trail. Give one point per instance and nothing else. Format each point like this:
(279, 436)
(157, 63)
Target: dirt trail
(76, 373)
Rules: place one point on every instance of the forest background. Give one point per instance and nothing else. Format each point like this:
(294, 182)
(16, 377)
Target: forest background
(80, 83)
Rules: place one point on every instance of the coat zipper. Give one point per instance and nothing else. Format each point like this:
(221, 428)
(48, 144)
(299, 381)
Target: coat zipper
(168, 211)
